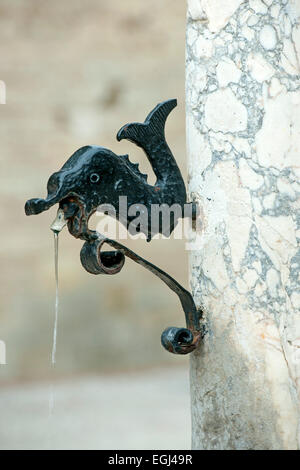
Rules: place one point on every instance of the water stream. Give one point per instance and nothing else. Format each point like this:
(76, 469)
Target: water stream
(54, 341)
(53, 355)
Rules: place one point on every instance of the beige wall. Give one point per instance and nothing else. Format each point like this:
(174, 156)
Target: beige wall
(75, 72)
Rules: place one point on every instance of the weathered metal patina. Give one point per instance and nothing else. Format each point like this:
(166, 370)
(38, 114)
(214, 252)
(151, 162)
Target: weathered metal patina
(95, 176)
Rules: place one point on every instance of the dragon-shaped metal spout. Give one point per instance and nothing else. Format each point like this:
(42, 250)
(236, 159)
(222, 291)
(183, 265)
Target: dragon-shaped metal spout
(95, 176)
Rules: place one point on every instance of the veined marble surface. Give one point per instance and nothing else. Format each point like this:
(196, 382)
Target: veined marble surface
(243, 139)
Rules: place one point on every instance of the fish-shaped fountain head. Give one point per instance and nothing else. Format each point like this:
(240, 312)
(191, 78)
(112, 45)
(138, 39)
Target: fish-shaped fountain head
(94, 176)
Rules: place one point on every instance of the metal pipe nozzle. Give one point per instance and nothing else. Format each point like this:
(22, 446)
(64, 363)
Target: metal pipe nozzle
(59, 222)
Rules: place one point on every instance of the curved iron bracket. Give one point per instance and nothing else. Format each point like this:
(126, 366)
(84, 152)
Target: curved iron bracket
(173, 339)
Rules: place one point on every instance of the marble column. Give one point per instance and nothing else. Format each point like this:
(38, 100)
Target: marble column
(243, 136)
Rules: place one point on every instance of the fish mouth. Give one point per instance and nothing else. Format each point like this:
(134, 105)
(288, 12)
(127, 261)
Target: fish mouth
(74, 212)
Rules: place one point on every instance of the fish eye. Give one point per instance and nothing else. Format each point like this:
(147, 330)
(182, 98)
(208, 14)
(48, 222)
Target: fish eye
(94, 177)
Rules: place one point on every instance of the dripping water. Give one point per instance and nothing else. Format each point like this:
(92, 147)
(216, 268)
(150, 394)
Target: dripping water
(54, 340)
(57, 225)
(53, 355)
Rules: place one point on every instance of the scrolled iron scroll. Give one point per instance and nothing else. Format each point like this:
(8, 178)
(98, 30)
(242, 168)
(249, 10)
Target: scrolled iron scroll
(97, 261)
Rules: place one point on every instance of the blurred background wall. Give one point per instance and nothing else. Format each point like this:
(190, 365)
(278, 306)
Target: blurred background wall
(75, 72)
